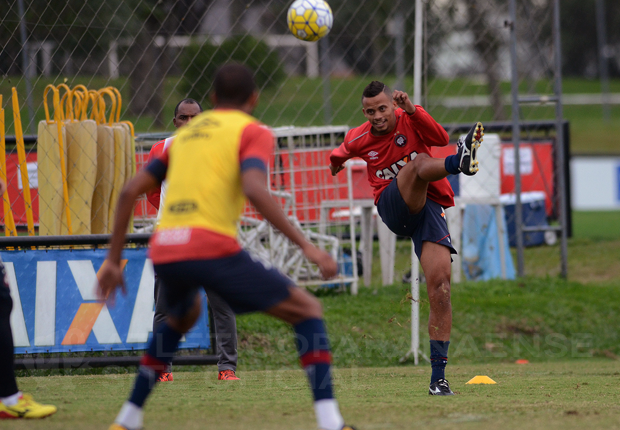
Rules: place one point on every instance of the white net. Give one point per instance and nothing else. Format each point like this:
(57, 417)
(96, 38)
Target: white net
(159, 52)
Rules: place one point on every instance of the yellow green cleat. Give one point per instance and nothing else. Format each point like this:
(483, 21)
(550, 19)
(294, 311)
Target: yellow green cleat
(26, 408)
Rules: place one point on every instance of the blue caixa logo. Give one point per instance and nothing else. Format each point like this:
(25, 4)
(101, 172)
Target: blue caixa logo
(55, 308)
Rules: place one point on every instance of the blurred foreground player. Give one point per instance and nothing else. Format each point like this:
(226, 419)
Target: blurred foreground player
(13, 403)
(225, 325)
(216, 161)
(411, 192)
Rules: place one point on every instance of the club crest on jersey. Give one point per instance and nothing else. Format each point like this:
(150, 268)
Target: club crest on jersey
(400, 140)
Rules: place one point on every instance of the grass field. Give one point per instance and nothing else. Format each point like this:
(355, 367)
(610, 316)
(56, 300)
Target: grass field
(536, 396)
(568, 330)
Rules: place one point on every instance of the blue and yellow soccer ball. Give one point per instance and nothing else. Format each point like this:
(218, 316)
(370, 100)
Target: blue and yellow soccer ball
(309, 20)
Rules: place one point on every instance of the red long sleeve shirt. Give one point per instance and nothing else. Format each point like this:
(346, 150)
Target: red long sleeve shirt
(386, 155)
(156, 151)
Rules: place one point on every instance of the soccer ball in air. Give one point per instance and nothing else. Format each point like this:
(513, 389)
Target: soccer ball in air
(309, 20)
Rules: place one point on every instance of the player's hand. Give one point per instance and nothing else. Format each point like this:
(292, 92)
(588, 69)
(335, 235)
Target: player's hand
(327, 265)
(2, 186)
(402, 101)
(335, 170)
(109, 278)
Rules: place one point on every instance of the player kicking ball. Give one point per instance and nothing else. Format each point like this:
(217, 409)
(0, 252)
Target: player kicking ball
(411, 191)
(214, 164)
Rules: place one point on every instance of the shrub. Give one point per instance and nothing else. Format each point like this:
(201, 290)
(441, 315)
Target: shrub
(201, 61)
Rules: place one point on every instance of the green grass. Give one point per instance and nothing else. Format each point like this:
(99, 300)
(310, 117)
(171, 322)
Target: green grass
(541, 317)
(593, 252)
(596, 225)
(568, 330)
(299, 101)
(496, 321)
(535, 396)
(468, 87)
(373, 329)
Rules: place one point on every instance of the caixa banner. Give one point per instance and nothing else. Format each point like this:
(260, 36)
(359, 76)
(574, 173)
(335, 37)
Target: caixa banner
(55, 308)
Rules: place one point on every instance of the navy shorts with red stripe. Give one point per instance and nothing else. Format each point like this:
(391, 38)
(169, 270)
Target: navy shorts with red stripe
(429, 225)
(245, 284)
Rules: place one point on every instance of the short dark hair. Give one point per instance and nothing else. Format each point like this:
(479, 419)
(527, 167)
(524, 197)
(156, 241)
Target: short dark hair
(233, 84)
(375, 88)
(188, 100)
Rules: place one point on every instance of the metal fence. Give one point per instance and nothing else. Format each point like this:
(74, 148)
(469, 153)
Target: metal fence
(472, 52)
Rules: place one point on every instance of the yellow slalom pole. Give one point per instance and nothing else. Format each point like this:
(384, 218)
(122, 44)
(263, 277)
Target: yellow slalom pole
(66, 102)
(23, 168)
(81, 102)
(9, 221)
(119, 99)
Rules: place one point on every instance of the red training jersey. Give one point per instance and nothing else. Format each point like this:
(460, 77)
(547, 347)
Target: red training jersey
(386, 155)
(155, 152)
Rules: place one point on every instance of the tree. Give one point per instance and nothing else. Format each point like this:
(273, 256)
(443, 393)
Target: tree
(579, 43)
(487, 44)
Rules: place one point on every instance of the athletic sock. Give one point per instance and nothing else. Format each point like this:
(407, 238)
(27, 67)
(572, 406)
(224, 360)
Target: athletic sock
(315, 356)
(11, 400)
(328, 414)
(130, 416)
(156, 360)
(451, 164)
(439, 359)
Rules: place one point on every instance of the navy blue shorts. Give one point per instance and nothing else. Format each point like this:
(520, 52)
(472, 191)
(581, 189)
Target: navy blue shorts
(429, 225)
(246, 285)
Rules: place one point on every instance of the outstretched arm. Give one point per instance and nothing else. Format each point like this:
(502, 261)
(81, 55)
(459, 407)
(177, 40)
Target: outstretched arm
(254, 183)
(110, 277)
(432, 134)
(338, 157)
(402, 100)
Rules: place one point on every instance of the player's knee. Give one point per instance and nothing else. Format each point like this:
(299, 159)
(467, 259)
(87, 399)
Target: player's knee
(418, 162)
(312, 307)
(186, 322)
(439, 288)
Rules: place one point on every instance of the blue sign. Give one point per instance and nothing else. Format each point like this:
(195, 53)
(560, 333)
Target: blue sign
(55, 308)
(618, 183)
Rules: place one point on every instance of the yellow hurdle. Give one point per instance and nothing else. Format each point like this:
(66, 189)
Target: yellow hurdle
(50, 175)
(129, 150)
(105, 166)
(58, 119)
(23, 168)
(9, 221)
(121, 137)
(50, 167)
(132, 161)
(81, 158)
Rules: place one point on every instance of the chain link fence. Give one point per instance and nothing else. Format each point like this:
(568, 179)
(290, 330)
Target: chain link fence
(156, 53)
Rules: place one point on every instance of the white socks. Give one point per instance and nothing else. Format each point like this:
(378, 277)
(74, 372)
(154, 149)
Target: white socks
(328, 414)
(11, 400)
(130, 416)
